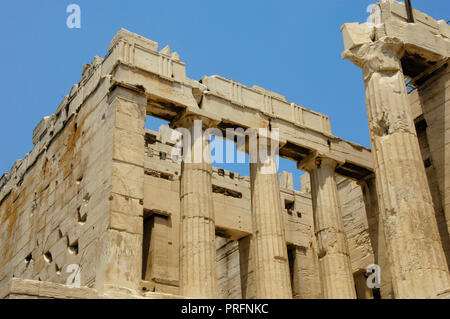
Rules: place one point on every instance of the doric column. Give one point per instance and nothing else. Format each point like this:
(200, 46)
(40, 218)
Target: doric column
(376, 234)
(334, 259)
(418, 265)
(270, 258)
(198, 277)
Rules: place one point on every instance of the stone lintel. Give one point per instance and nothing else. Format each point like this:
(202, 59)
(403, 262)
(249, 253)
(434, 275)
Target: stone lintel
(170, 92)
(316, 161)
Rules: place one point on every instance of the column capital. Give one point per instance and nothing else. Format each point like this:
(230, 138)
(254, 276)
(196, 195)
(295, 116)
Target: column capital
(315, 161)
(186, 119)
(381, 56)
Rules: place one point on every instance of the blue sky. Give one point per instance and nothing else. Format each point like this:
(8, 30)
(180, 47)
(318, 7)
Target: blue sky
(290, 47)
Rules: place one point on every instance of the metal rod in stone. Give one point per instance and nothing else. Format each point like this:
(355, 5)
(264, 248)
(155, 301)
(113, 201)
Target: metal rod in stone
(409, 11)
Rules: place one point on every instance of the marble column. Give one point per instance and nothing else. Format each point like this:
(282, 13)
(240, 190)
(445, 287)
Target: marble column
(198, 278)
(270, 258)
(334, 258)
(418, 265)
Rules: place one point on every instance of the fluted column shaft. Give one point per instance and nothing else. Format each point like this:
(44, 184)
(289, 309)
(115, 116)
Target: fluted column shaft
(334, 259)
(198, 277)
(418, 265)
(270, 258)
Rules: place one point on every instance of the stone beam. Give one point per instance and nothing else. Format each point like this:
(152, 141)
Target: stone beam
(302, 131)
(170, 93)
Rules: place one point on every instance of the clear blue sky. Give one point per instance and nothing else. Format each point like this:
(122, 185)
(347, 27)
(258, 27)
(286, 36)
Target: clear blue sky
(290, 47)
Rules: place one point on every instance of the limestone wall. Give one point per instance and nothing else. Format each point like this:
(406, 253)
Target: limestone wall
(228, 268)
(54, 202)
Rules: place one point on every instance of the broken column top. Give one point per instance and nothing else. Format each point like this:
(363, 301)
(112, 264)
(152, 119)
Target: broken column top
(426, 41)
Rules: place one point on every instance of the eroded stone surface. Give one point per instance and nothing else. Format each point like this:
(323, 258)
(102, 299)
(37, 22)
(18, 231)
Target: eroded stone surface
(100, 191)
(417, 260)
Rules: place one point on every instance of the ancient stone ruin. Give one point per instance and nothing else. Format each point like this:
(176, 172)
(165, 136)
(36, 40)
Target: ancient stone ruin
(100, 209)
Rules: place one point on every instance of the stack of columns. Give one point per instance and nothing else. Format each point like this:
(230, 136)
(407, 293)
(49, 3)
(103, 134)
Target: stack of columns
(418, 265)
(270, 263)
